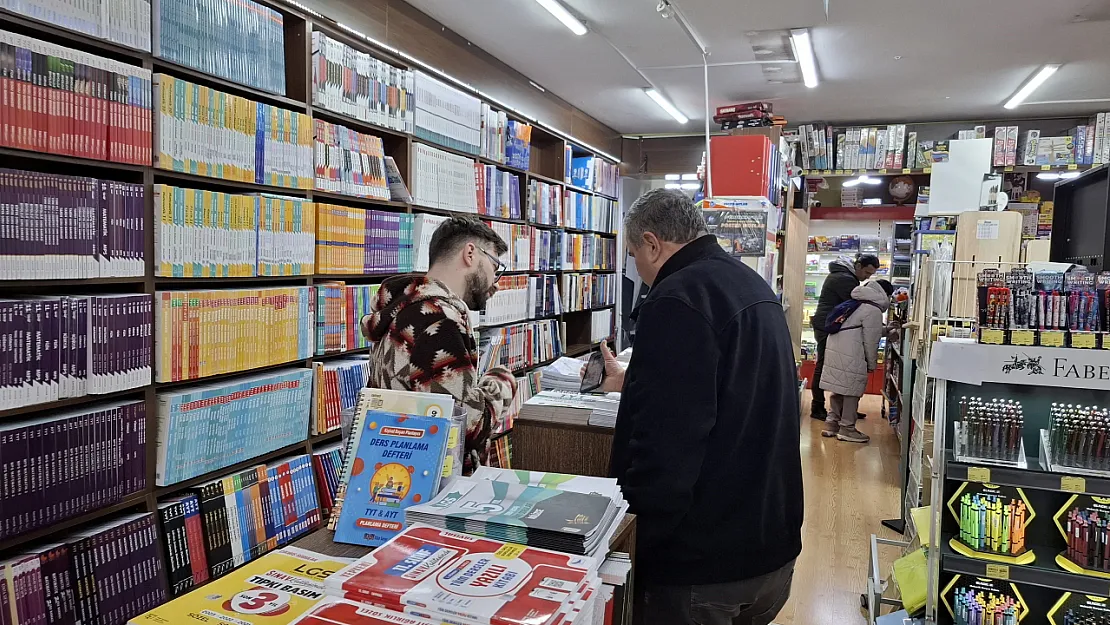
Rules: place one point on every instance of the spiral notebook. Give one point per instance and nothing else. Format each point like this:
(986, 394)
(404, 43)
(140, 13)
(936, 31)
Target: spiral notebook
(388, 400)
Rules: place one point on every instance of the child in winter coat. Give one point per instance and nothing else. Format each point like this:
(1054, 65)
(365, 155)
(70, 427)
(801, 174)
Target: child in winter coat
(850, 355)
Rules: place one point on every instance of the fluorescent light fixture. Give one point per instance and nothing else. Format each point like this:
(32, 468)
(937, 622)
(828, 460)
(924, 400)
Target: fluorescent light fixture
(673, 185)
(691, 186)
(870, 180)
(1031, 85)
(563, 15)
(1044, 176)
(689, 176)
(1068, 175)
(803, 53)
(666, 105)
(872, 201)
(851, 183)
(673, 177)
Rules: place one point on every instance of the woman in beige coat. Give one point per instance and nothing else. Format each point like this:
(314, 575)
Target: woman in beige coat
(850, 355)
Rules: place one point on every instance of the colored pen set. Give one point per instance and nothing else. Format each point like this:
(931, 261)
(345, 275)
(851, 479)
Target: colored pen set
(1073, 617)
(1048, 300)
(1005, 299)
(1088, 539)
(1079, 436)
(992, 429)
(990, 523)
(972, 607)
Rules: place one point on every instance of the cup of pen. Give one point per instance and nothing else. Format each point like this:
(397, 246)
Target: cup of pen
(993, 520)
(1084, 522)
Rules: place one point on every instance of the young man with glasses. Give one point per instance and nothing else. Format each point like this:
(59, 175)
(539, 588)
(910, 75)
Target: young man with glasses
(421, 334)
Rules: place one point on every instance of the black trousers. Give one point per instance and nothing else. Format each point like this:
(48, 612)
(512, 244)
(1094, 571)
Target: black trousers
(815, 385)
(753, 601)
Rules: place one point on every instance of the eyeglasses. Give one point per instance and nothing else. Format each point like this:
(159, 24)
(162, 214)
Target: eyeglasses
(498, 266)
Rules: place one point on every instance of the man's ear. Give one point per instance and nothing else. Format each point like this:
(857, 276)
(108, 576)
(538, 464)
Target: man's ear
(469, 252)
(650, 246)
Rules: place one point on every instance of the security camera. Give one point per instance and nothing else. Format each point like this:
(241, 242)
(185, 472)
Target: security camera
(664, 9)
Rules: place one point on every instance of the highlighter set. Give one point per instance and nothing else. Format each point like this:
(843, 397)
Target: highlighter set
(992, 524)
(976, 608)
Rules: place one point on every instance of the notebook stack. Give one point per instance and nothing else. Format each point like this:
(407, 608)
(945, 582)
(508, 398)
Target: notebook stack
(520, 513)
(571, 407)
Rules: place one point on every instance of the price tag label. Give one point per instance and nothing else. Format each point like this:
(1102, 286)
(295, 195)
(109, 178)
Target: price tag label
(1084, 340)
(991, 336)
(1073, 484)
(1052, 338)
(998, 571)
(827, 172)
(840, 172)
(509, 551)
(906, 170)
(1046, 167)
(882, 171)
(1009, 168)
(978, 474)
(1023, 337)
(927, 170)
(863, 171)
(805, 171)
(1073, 166)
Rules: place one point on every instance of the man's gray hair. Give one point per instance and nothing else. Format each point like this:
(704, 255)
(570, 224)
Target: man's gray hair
(668, 213)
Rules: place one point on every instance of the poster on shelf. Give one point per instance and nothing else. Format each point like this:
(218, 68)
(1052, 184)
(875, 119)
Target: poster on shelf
(975, 363)
(739, 232)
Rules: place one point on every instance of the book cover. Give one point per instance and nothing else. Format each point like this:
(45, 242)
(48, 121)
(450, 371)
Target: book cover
(396, 464)
(333, 610)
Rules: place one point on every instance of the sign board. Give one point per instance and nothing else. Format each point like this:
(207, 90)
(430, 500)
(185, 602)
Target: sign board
(739, 232)
(975, 363)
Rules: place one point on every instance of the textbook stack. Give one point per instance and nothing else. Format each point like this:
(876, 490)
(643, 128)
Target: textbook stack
(126, 22)
(206, 428)
(447, 116)
(545, 203)
(107, 126)
(510, 302)
(424, 226)
(254, 511)
(336, 386)
(497, 193)
(349, 162)
(543, 295)
(494, 134)
(70, 346)
(70, 227)
(362, 241)
(327, 462)
(242, 41)
(570, 407)
(443, 180)
(111, 436)
(183, 542)
(522, 345)
(353, 83)
(250, 142)
(582, 291)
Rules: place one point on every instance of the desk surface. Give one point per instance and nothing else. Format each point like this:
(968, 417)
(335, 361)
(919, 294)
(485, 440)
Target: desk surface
(321, 541)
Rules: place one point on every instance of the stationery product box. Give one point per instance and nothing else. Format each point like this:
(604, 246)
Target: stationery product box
(980, 132)
(741, 165)
(1028, 147)
(911, 150)
(1011, 145)
(999, 159)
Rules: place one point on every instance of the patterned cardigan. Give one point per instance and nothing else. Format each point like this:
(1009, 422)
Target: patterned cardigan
(422, 341)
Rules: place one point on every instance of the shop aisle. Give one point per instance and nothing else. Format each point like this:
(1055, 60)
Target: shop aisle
(849, 489)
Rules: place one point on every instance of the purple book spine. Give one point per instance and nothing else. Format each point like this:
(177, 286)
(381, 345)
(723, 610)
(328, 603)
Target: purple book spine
(53, 369)
(52, 450)
(21, 474)
(82, 340)
(148, 336)
(79, 480)
(38, 380)
(7, 486)
(141, 442)
(8, 244)
(138, 230)
(103, 224)
(67, 607)
(68, 490)
(7, 388)
(35, 503)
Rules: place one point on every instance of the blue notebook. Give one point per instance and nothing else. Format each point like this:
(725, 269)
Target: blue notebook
(397, 464)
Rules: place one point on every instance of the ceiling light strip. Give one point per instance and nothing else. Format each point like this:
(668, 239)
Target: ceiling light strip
(563, 15)
(803, 52)
(1031, 85)
(666, 105)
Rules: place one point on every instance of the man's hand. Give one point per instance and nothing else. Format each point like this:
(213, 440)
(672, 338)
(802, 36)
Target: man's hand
(614, 372)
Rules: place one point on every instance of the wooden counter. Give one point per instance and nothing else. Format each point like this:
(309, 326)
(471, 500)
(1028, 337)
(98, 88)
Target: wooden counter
(561, 448)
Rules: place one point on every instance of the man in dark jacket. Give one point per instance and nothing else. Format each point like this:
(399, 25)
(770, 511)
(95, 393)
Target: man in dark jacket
(845, 275)
(706, 444)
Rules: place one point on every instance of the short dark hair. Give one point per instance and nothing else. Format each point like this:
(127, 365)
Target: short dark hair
(457, 232)
(887, 287)
(867, 260)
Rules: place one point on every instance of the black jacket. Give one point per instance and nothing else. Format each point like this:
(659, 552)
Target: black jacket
(836, 290)
(706, 444)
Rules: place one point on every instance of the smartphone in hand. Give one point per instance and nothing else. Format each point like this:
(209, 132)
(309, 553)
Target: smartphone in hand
(594, 374)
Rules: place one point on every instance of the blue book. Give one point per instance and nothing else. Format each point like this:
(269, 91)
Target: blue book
(397, 464)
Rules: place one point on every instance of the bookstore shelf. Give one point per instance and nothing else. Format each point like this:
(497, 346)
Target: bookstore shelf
(1049, 576)
(1035, 477)
(135, 500)
(354, 276)
(47, 157)
(319, 112)
(326, 437)
(70, 402)
(347, 354)
(169, 282)
(575, 351)
(169, 67)
(295, 448)
(325, 197)
(554, 181)
(18, 284)
(72, 38)
(515, 322)
(225, 376)
(536, 365)
(223, 184)
(448, 213)
(608, 197)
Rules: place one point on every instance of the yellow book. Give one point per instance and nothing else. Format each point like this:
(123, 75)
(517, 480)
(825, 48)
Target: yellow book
(203, 168)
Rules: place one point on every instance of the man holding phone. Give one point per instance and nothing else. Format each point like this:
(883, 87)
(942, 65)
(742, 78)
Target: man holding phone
(706, 445)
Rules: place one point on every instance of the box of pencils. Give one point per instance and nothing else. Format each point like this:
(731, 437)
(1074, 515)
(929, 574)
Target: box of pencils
(990, 432)
(982, 601)
(1077, 440)
(1078, 609)
(993, 521)
(1084, 521)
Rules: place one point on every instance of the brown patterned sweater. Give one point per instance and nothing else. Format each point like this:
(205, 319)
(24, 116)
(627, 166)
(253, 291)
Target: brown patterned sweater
(422, 341)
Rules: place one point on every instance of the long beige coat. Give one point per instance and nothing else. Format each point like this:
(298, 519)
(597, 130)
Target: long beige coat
(853, 352)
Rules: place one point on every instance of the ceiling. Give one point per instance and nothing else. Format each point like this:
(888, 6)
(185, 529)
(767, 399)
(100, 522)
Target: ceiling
(959, 59)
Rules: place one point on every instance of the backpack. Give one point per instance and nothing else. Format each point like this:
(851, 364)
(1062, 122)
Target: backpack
(837, 316)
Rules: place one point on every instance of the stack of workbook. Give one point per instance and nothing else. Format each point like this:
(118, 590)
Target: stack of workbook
(515, 511)
(572, 408)
(565, 374)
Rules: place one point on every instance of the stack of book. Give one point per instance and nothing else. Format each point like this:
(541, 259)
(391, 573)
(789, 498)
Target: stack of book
(604, 215)
(518, 145)
(331, 318)
(183, 543)
(543, 295)
(355, 84)
(546, 250)
(527, 385)
(545, 203)
(601, 325)
(582, 291)
(99, 124)
(126, 22)
(523, 584)
(349, 162)
(565, 374)
(447, 116)
(443, 180)
(497, 193)
(70, 346)
(586, 251)
(206, 428)
(242, 41)
(327, 462)
(510, 302)
(494, 134)
(262, 144)
(336, 387)
(255, 328)
(360, 300)
(521, 345)
(70, 227)
(571, 407)
(112, 436)
(745, 115)
(424, 226)
(362, 241)
(578, 210)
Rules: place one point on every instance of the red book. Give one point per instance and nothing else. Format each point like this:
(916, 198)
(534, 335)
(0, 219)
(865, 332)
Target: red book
(731, 109)
(331, 611)
(431, 572)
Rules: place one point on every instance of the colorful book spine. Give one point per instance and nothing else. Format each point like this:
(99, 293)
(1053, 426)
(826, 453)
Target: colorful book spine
(545, 203)
(125, 22)
(545, 253)
(543, 296)
(206, 428)
(58, 227)
(494, 135)
(327, 462)
(447, 116)
(358, 241)
(44, 486)
(522, 345)
(582, 291)
(603, 217)
(510, 302)
(64, 101)
(206, 132)
(586, 251)
(497, 192)
(519, 239)
(210, 332)
(360, 300)
(518, 145)
(70, 346)
(242, 41)
(443, 180)
(606, 177)
(355, 84)
(349, 162)
(331, 317)
(335, 392)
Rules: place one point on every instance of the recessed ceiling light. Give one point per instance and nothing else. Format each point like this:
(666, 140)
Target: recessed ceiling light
(1031, 85)
(898, 58)
(689, 176)
(691, 186)
(563, 15)
(673, 177)
(1044, 176)
(947, 97)
(762, 51)
(673, 185)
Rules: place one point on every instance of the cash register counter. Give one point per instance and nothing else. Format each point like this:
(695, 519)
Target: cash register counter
(560, 447)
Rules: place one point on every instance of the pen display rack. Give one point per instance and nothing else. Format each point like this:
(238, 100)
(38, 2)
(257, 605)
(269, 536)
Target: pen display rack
(1084, 522)
(1079, 609)
(1046, 308)
(983, 601)
(993, 521)
(1077, 440)
(990, 432)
